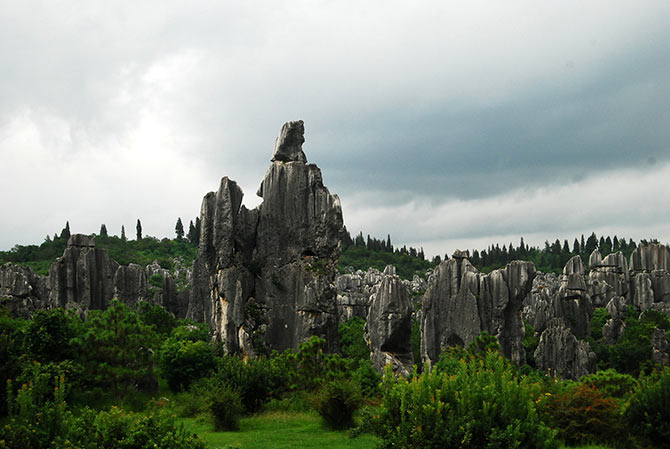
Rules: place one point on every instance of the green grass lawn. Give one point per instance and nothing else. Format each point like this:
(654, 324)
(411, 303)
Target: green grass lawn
(278, 430)
(281, 429)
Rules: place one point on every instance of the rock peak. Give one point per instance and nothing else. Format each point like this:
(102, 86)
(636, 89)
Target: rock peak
(288, 146)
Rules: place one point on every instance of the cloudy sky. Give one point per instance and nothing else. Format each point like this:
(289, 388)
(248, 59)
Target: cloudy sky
(446, 124)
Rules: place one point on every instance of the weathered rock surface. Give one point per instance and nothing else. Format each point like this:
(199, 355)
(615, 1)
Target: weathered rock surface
(565, 297)
(83, 278)
(608, 278)
(389, 325)
(22, 291)
(461, 303)
(650, 257)
(560, 354)
(265, 278)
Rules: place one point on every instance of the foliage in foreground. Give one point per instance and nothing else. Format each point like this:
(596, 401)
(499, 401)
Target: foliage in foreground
(480, 404)
(42, 420)
(649, 412)
(337, 401)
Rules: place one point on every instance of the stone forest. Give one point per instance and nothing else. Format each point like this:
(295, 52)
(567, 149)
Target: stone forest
(263, 319)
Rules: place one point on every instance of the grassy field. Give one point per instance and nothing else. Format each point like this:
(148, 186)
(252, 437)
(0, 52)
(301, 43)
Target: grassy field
(285, 430)
(279, 430)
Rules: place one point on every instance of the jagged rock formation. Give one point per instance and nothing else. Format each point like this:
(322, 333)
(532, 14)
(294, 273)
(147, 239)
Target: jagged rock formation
(389, 325)
(650, 277)
(354, 291)
(608, 277)
(560, 354)
(22, 291)
(265, 278)
(461, 303)
(83, 278)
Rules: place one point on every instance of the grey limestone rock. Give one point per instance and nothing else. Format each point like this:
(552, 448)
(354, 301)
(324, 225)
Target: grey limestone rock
(130, 284)
(267, 275)
(660, 347)
(83, 278)
(22, 291)
(650, 257)
(560, 354)
(565, 297)
(288, 146)
(461, 303)
(389, 325)
(609, 277)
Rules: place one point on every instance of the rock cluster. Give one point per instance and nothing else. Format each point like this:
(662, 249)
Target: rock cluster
(265, 278)
(22, 291)
(389, 324)
(355, 289)
(85, 278)
(644, 284)
(461, 303)
(560, 354)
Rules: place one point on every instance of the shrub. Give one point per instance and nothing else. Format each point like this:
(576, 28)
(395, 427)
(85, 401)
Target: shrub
(42, 420)
(480, 404)
(611, 383)
(583, 414)
(352, 341)
(225, 404)
(367, 377)
(337, 401)
(183, 362)
(255, 380)
(648, 413)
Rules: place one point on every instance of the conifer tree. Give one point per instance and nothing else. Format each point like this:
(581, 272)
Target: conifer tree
(179, 229)
(138, 227)
(65, 233)
(123, 233)
(191, 233)
(103, 230)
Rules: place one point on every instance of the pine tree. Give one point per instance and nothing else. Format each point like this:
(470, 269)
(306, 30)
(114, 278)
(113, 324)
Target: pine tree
(123, 233)
(179, 229)
(576, 250)
(103, 230)
(138, 227)
(191, 233)
(65, 233)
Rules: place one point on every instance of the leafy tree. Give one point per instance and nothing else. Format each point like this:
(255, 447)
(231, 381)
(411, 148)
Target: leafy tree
(51, 336)
(183, 362)
(138, 228)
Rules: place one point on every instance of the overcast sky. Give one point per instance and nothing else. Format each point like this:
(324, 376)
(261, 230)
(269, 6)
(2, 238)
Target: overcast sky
(446, 124)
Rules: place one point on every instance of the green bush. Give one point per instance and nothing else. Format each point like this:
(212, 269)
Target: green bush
(226, 407)
(648, 413)
(255, 380)
(611, 383)
(118, 349)
(582, 415)
(480, 404)
(183, 362)
(337, 401)
(352, 340)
